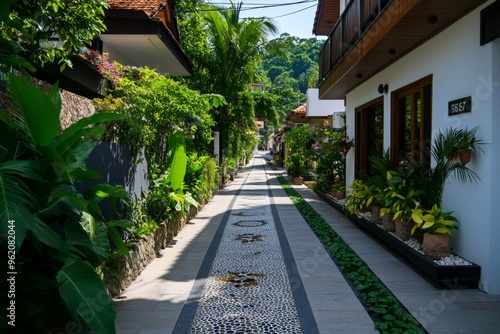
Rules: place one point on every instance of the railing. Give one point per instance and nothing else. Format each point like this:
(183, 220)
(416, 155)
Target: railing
(351, 25)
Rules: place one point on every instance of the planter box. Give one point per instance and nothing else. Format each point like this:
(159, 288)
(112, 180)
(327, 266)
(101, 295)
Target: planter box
(453, 276)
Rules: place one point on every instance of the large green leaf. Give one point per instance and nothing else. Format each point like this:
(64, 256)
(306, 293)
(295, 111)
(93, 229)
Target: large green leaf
(177, 160)
(37, 114)
(77, 239)
(98, 238)
(74, 128)
(118, 241)
(17, 202)
(47, 235)
(85, 296)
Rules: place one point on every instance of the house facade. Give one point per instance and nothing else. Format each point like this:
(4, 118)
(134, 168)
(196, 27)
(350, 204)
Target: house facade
(436, 64)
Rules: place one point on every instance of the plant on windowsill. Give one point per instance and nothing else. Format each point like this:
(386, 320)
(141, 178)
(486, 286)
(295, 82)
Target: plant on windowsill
(436, 226)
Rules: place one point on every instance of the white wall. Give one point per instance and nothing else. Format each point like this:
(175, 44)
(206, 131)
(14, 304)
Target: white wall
(317, 107)
(460, 68)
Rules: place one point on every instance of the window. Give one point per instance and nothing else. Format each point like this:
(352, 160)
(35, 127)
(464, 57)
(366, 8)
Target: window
(369, 134)
(411, 114)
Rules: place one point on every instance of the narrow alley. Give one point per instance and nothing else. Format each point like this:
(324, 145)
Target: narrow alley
(249, 263)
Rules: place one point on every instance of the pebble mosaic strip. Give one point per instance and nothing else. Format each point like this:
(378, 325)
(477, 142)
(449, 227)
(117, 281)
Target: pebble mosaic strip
(247, 289)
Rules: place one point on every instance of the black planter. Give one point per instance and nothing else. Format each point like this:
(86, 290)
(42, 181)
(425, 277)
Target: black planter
(455, 276)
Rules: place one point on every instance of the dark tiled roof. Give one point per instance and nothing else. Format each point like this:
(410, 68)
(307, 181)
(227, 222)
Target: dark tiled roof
(149, 6)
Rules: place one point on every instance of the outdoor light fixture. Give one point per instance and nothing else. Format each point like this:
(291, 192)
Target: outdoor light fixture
(383, 88)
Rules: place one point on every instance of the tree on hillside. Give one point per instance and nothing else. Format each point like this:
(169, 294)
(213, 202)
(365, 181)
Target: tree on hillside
(292, 75)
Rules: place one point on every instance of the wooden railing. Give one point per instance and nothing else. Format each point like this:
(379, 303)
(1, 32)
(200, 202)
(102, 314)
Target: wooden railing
(351, 25)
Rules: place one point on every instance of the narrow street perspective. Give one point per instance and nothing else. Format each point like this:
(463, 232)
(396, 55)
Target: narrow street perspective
(250, 167)
(249, 263)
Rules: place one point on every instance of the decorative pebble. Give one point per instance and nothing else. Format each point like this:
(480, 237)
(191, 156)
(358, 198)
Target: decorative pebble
(247, 289)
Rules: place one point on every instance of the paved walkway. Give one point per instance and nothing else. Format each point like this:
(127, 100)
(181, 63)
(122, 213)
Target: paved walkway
(249, 263)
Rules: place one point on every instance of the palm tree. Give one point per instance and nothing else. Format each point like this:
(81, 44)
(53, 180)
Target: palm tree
(236, 47)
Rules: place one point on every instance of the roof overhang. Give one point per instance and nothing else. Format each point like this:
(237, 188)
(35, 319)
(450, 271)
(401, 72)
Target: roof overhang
(82, 79)
(134, 39)
(327, 14)
(402, 27)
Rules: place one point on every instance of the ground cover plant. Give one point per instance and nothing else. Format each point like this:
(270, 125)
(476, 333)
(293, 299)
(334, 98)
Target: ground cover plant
(388, 314)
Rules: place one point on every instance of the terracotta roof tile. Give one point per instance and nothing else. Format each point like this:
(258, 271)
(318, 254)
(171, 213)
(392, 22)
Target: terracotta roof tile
(297, 112)
(149, 6)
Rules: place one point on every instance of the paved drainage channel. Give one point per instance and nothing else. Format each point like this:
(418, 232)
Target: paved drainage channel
(244, 286)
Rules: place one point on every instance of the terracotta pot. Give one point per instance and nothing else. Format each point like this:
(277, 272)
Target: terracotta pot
(339, 194)
(376, 215)
(436, 246)
(451, 156)
(387, 223)
(419, 236)
(465, 156)
(298, 180)
(402, 228)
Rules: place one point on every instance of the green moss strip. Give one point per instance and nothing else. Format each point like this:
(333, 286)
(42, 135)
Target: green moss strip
(388, 315)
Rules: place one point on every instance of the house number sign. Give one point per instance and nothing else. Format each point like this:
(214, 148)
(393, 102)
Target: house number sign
(459, 106)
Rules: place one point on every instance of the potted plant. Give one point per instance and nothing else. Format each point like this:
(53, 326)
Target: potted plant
(360, 197)
(437, 226)
(295, 169)
(468, 142)
(338, 189)
(401, 197)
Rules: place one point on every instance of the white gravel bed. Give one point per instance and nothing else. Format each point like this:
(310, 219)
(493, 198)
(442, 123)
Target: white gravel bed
(452, 260)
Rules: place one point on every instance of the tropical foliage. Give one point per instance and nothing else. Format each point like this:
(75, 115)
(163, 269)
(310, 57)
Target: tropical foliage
(33, 33)
(413, 190)
(329, 153)
(298, 140)
(157, 106)
(226, 51)
(62, 239)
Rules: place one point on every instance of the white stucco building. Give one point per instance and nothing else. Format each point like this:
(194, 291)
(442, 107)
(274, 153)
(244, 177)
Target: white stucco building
(412, 59)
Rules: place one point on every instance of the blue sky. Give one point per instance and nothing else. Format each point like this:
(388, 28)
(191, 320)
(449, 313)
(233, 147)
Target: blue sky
(295, 17)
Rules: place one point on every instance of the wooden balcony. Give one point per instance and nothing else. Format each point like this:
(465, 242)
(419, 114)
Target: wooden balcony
(372, 34)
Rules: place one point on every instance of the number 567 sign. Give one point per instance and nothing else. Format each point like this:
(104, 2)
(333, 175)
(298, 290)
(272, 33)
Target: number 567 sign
(459, 106)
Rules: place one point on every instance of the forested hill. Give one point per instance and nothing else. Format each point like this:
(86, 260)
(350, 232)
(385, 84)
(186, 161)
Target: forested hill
(291, 75)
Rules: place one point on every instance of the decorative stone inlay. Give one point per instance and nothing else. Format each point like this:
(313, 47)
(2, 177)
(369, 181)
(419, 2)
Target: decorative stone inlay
(247, 214)
(241, 279)
(250, 223)
(259, 298)
(249, 237)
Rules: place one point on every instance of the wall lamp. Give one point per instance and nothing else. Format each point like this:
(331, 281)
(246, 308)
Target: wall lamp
(383, 88)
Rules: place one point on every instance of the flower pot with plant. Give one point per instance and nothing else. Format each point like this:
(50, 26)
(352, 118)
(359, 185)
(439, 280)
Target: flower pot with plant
(295, 169)
(437, 226)
(360, 197)
(338, 189)
(468, 142)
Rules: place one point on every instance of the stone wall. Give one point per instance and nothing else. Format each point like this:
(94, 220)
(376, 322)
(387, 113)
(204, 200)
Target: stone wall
(74, 107)
(122, 270)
